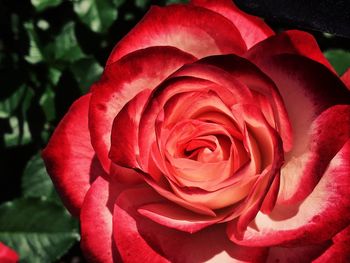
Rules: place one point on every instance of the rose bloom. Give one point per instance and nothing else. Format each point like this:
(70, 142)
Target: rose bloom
(209, 138)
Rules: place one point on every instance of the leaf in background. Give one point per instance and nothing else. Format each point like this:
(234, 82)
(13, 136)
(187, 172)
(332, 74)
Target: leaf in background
(66, 47)
(43, 24)
(36, 182)
(118, 3)
(47, 102)
(54, 75)
(98, 15)
(41, 5)
(39, 230)
(20, 134)
(27, 100)
(35, 50)
(86, 72)
(168, 2)
(340, 59)
(10, 104)
(142, 3)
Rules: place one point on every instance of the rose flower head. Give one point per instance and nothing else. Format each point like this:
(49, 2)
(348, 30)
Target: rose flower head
(209, 138)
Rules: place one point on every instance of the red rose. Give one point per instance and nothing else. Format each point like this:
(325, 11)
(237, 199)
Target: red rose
(209, 138)
(7, 255)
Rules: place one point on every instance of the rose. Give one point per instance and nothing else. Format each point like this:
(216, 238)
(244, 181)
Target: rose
(208, 138)
(7, 255)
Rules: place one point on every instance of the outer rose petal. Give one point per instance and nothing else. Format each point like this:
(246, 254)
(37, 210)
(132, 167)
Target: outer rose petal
(309, 86)
(195, 30)
(289, 42)
(7, 255)
(141, 70)
(96, 222)
(318, 218)
(339, 251)
(251, 28)
(301, 174)
(140, 239)
(300, 254)
(69, 157)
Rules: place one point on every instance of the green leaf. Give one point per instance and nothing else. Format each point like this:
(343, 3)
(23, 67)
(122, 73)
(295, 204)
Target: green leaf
(41, 5)
(66, 47)
(47, 102)
(340, 59)
(168, 2)
(98, 15)
(35, 54)
(10, 104)
(54, 75)
(118, 3)
(39, 230)
(142, 3)
(86, 72)
(36, 182)
(20, 134)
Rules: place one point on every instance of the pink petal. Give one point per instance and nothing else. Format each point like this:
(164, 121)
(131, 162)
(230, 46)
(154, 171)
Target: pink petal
(217, 199)
(166, 192)
(301, 174)
(173, 216)
(69, 157)
(316, 219)
(195, 30)
(96, 222)
(124, 139)
(251, 28)
(140, 239)
(168, 89)
(253, 87)
(339, 251)
(7, 255)
(121, 82)
(289, 42)
(300, 254)
(310, 87)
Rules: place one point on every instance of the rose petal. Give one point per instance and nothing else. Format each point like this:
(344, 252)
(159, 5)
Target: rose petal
(140, 239)
(69, 157)
(252, 28)
(166, 192)
(124, 148)
(173, 216)
(300, 254)
(122, 81)
(289, 42)
(96, 222)
(168, 89)
(300, 175)
(318, 218)
(7, 255)
(195, 30)
(307, 85)
(262, 91)
(339, 251)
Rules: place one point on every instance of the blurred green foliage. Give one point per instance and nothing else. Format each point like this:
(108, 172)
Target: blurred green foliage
(51, 51)
(340, 59)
